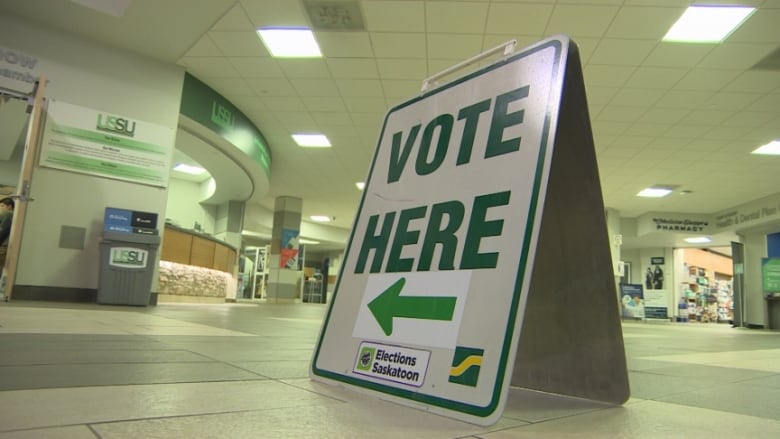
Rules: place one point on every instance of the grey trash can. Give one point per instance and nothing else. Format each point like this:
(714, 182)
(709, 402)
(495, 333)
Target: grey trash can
(126, 268)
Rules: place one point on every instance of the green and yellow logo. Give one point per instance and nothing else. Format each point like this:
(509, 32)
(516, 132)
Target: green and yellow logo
(113, 124)
(466, 363)
(366, 358)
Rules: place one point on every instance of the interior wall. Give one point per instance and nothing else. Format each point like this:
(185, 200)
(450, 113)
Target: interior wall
(184, 208)
(105, 79)
(755, 250)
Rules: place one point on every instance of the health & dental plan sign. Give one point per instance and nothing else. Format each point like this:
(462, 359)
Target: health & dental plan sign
(430, 297)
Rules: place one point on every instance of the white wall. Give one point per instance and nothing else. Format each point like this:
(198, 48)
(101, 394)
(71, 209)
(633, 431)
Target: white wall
(106, 79)
(184, 208)
(755, 250)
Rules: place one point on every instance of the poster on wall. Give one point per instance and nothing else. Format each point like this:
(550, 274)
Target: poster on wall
(770, 274)
(108, 145)
(654, 274)
(632, 301)
(656, 304)
(289, 251)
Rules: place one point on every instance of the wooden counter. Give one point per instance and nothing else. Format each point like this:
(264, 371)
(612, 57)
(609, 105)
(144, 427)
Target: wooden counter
(189, 247)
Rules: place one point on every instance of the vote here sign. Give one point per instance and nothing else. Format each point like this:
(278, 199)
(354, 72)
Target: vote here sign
(430, 298)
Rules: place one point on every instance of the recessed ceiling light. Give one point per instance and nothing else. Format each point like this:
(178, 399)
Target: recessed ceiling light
(654, 192)
(321, 218)
(698, 240)
(771, 148)
(188, 169)
(308, 241)
(361, 185)
(707, 23)
(290, 42)
(312, 140)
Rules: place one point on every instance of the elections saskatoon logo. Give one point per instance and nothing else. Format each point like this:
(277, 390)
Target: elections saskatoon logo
(466, 363)
(366, 358)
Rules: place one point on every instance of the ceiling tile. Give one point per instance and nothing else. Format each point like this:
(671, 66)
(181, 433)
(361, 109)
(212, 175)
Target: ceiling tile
(677, 55)
(664, 115)
(400, 89)
(208, 66)
(749, 119)
(204, 47)
(304, 68)
(601, 95)
(271, 87)
(257, 67)
(706, 117)
(706, 79)
(231, 86)
(581, 20)
(736, 55)
(330, 119)
(507, 18)
(643, 22)
(688, 131)
(655, 77)
(755, 81)
(238, 43)
(323, 103)
(315, 87)
(345, 44)
(721, 132)
(586, 47)
(234, 20)
(388, 45)
(684, 99)
(297, 121)
(360, 87)
(769, 103)
(453, 46)
(637, 97)
(402, 68)
(622, 52)
(365, 105)
(761, 27)
(643, 127)
(615, 113)
(455, 17)
(731, 101)
(274, 13)
(346, 68)
(247, 103)
(601, 75)
(394, 16)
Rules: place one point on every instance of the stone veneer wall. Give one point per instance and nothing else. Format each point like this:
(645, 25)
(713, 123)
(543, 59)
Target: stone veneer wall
(187, 280)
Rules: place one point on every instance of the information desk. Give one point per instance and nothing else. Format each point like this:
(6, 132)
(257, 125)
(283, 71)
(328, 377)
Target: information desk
(195, 267)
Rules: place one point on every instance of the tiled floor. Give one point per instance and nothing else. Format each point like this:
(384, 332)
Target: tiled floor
(241, 371)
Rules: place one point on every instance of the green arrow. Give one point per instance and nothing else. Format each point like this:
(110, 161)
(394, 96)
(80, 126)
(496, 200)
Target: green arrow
(391, 304)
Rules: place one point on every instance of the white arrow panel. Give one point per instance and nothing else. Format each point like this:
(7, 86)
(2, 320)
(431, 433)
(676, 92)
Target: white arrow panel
(432, 333)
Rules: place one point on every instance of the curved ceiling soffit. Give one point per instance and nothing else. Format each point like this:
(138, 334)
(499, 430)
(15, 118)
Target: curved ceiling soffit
(237, 177)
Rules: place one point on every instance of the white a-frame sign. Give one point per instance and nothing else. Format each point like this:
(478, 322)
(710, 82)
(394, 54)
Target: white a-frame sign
(479, 256)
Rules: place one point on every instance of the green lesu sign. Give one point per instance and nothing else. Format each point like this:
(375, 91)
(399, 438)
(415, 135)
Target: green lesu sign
(428, 308)
(770, 273)
(207, 107)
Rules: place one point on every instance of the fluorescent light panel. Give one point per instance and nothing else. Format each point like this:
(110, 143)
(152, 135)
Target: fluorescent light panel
(654, 192)
(361, 185)
(290, 42)
(698, 240)
(707, 23)
(188, 169)
(312, 140)
(771, 148)
(321, 218)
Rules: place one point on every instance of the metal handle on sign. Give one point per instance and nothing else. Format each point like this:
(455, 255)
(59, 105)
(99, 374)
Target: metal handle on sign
(507, 48)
